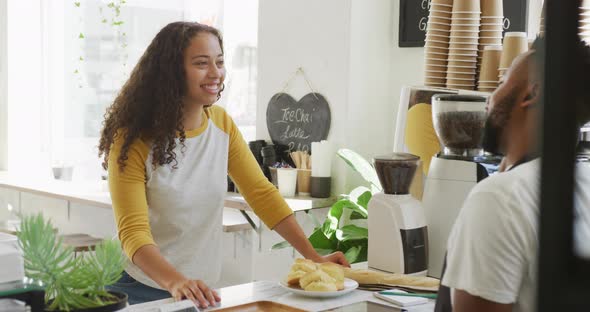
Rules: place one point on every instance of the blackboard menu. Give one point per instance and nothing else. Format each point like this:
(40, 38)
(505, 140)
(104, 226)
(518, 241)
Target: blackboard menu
(414, 17)
(298, 123)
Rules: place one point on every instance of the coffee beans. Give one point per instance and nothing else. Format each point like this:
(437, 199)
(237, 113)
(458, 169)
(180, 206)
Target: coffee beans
(460, 130)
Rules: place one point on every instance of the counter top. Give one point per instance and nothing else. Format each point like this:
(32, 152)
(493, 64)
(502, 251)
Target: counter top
(96, 193)
(271, 291)
(91, 193)
(297, 203)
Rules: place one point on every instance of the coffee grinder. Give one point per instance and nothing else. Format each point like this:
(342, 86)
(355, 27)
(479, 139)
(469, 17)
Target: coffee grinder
(459, 124)
(398, 239)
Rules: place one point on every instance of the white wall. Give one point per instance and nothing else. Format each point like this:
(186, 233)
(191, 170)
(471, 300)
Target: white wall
(3, 86)
(24, 100)
(310, 34)
(348, 50)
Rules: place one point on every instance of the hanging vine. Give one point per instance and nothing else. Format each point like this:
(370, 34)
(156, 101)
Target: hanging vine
(110, 17)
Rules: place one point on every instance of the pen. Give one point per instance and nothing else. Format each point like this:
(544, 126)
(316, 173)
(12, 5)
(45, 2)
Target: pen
(429, 296)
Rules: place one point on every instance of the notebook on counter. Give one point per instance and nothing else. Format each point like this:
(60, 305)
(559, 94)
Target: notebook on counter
(400, 300)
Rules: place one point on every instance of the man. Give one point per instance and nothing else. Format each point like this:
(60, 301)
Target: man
(491, 262)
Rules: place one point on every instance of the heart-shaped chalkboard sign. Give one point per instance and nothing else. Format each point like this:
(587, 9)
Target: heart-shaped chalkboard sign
(297, 124)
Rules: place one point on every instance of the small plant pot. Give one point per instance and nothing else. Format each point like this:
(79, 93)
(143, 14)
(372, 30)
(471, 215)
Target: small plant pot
(120, 304)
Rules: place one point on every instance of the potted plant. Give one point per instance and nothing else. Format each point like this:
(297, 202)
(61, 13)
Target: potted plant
(345, 227)
(71, 283)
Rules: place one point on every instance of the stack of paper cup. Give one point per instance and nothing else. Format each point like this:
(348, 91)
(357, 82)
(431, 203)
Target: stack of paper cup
(585, 21)
(490, 31)
(515, 43)
(437, 42)
(488, 76)
(464, 38)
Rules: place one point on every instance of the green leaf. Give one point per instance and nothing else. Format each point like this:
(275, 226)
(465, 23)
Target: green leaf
(104, 21)
(362, 166)
(356, 216)
(81, 36)
(356, 208)
(119, 23)
(281, 245)
(111, 5)
(352, 254)
(77, 4)
(352, 232)
(319, 240)
(364, 199)
(81, 58)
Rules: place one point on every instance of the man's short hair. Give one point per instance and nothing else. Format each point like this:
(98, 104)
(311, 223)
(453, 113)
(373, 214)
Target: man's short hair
(581, 76)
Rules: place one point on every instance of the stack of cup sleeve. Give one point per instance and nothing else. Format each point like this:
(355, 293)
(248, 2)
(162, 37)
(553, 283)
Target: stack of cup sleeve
(437, 43)
(463, 44)
(491, 29)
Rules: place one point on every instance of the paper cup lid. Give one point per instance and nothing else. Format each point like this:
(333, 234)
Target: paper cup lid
(487, 37)
(467, 12)
(463, 37)
(489, 81)
(492, 48)
(436, 65)
(491, 16)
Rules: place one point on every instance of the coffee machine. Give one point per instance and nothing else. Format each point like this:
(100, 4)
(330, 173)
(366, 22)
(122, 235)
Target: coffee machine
(398, 238)
(459, 124)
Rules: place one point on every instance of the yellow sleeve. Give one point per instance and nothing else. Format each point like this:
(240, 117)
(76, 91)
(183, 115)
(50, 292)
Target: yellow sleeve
(128, 196)
(259, 193)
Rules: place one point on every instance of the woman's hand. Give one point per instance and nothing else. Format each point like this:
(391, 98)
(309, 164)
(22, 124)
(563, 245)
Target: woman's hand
(336, 257)
(195, 290)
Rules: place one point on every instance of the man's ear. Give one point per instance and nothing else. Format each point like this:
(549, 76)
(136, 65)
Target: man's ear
(532, 97)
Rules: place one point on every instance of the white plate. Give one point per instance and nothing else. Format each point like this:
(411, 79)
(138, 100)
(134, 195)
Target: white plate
(349, 285)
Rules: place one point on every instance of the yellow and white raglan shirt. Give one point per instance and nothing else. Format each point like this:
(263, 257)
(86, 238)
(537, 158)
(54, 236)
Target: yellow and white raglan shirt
(181, 210)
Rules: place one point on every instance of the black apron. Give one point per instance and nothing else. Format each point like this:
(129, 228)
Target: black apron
(443, 300)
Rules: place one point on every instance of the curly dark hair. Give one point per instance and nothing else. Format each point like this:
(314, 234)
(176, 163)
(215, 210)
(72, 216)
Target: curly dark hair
(150, 103)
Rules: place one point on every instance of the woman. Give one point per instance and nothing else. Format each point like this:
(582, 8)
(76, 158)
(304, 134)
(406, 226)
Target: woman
(168, 151)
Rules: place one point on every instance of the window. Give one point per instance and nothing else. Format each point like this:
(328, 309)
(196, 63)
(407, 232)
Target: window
(89, 48)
